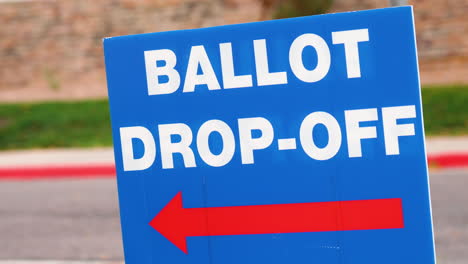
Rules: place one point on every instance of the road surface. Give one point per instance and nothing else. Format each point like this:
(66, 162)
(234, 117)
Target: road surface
(79, 219)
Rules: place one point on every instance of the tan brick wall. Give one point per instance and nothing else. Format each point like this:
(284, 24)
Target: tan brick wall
(441, 33)
(52, 48)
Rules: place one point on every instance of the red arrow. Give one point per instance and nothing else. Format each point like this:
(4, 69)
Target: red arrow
(176, 223)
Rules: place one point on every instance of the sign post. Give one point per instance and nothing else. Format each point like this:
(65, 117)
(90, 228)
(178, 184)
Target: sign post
(288, 141)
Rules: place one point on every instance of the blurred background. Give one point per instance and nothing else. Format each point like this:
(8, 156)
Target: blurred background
(58, 196)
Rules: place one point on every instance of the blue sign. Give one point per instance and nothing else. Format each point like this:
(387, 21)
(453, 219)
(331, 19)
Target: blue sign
(288, 141)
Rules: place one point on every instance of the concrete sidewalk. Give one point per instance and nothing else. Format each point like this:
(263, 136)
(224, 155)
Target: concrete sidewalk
(57, 164)
(56, 157)
(58, 262)
(443, 152)
(446, 145)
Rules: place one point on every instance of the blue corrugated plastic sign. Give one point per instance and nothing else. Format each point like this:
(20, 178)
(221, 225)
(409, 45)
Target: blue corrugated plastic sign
(287, 141)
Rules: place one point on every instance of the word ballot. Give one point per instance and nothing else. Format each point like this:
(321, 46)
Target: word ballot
(288, 141)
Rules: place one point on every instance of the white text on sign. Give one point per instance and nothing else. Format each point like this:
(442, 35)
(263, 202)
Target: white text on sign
(189, 144)
(198, 59)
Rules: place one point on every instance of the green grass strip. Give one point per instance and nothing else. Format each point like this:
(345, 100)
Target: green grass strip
(87, 123)
(445, 110)
(57, 124)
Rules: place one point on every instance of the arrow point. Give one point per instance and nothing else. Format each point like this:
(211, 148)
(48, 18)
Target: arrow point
(170, 223)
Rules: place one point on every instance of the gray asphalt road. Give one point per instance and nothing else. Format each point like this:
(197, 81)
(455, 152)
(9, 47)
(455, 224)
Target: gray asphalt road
(450, 213)
(78, 219)
(61, 219)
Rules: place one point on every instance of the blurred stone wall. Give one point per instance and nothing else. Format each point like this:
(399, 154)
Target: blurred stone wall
(52, 47)
(441, 33)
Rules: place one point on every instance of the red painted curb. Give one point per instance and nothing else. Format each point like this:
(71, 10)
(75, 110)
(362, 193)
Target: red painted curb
(58, 172)
(449, 160)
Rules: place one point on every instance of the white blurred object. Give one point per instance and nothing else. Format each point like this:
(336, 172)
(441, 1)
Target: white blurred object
(398, 2)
